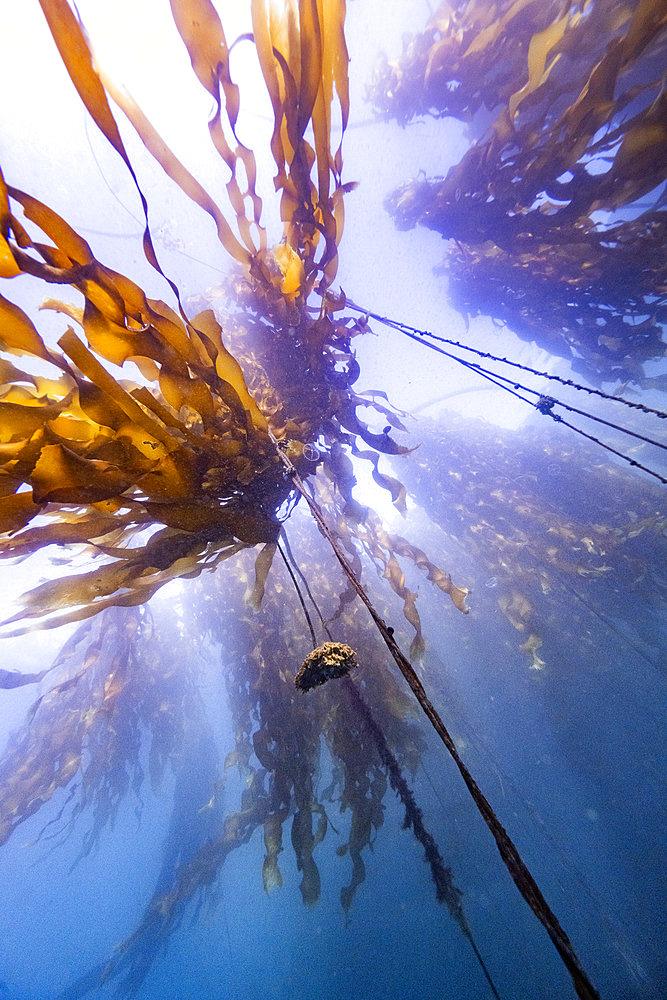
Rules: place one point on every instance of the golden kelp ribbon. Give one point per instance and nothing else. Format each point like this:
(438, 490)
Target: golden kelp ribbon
(303, 57)
(301, 66)
(75, 52)
(129, 456)
(181, 450)
(203, 35)
(188, 451)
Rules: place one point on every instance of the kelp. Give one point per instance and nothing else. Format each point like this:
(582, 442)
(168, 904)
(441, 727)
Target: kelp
(186, 454)
(117, 686)
(360, 532)
(280, 737)
(603, 295)
(551, 525)
(581, 135)
(191, 455)
(470, 55)
(170, 474)
(303, 58)
(266, 344)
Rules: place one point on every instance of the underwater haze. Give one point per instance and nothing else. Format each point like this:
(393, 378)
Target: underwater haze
(177, 819)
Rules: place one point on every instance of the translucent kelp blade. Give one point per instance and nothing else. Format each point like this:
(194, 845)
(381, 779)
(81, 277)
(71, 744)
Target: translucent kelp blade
(173, 167)
(77, 57)
(263, 564)
(201, 30)
(17, 332)
(86, 439)
(541, 46)
(335, 66)
(118, 318)
(8, 266)
(302, 54)
(124, 584)
(99, 376)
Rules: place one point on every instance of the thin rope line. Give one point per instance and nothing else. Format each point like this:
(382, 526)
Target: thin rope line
(566, 406)
(446, 891)
(296, 587)
(405, 327)
(543, 404)
(607, 447)
(302, 577)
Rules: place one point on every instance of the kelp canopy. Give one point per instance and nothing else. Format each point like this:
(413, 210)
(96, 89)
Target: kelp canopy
(556, 212)
(188, 450)
(170, 473)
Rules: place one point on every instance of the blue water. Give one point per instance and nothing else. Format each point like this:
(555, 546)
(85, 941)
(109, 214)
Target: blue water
(570, 756)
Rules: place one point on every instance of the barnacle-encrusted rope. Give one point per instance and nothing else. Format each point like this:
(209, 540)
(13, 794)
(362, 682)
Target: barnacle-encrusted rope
(511, 386)
(521, 876)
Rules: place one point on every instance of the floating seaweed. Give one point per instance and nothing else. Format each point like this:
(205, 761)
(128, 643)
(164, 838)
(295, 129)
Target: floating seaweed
(579, 134)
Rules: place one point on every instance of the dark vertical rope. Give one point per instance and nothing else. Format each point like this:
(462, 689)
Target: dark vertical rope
(521, 876)
(304, 581)
(446, 891)
(299, 595)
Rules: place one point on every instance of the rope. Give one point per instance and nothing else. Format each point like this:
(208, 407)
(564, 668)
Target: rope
(297, 569)
(545, 404)
(405, 327)
(566, 406)
(520, 874)
(298, 592)
(510, 386)
(445, 890)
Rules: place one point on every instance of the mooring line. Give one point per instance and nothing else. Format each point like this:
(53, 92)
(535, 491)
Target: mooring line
(509, 853)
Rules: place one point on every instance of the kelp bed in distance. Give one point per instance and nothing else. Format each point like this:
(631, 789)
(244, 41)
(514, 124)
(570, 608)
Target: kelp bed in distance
(203, 455)
(555, 215)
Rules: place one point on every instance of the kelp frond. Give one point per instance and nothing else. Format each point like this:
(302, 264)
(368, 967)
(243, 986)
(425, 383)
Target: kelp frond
(303, 58)
(186, 450)
(556, 214)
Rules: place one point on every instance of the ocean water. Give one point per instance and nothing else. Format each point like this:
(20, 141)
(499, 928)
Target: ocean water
(226, 837)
